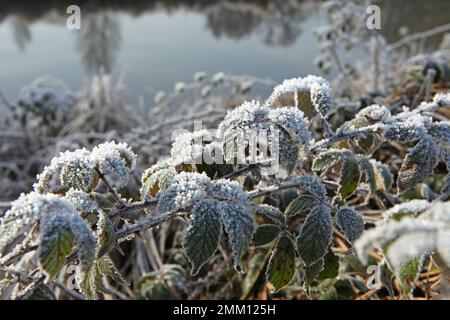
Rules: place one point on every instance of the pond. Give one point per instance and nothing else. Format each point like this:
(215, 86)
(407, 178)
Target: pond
(154, 44)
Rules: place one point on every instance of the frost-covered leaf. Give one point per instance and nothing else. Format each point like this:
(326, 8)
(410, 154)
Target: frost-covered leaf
(406, 209)
(311, 184)
(315, 235)
(106, 236)
(285, 131)
(154, 182)
(115, 159)
(300, 92)
(101, 271)
(265, 234)
(300, 205)
(80, 200)
(369, 172)
(239, 225)
(71, 169)
(185, 190)
(383, 176)
(327, 159)
(418, 165)
(310, 273)
(441, 132)
(271, 213)
(350, 222)
(202, 234)
(411, 128)
(349, 178)
(281, 267)
(18, 220)
(56, 243)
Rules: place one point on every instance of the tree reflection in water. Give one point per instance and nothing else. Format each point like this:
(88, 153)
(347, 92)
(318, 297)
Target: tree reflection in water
(99, 40)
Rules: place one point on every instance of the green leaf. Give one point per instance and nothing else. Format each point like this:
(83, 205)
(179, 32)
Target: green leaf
(202, 234)
(55, 244)
(288, 150)
(418, 165)
(330, 267)
(326, 160)
(300, 205)
(281, 268)
(350, 222)
(265, 234)
(369, 173)
(239, 226)
(102, 270)
(310, 273)
(271, 213)
(383, 176)
(157, 181)
(315, 235)
(349, 178)
(408, 275)
(105, 234)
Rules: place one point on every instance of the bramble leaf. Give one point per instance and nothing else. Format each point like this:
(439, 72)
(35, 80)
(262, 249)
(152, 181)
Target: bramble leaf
(105, 234)
(281, 266)
(300, 205)
(202, 234)
(265, 234)
(239, 226)
(55, 244)
(350, 222)
(349, 178)
(310, 273)
(418, 165)
(271, 213)
(315, 235)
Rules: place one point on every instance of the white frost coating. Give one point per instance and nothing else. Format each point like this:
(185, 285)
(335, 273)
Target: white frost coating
(80, 200)
(293, 121)
(253, 119)
(410, 246)
(188, 147)
(408, 127)
(439, 212)
(249, 115)
(72, 168)
(186, 189)
(387, 232)
(46, 96)
(375, 113)
(223, 189)
(239, 224)
(317, 87)
(18, 220)
(413, 207)
(114, 158)
(442, 99)
(31, 207)
(76, 169)
(313, 184)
